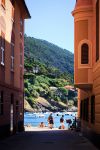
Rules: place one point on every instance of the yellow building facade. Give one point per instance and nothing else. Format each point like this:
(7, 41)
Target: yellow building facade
(87, 64)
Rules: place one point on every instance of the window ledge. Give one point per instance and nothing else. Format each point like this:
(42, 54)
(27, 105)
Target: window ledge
(84, 66)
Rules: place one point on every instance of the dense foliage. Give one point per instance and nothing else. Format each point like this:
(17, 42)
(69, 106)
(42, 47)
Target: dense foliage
(49, 54)
(48, 69)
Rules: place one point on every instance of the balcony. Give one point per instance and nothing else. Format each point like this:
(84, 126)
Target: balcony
(83, 78)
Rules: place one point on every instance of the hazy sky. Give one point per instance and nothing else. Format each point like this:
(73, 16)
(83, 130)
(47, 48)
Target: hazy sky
(51, 20)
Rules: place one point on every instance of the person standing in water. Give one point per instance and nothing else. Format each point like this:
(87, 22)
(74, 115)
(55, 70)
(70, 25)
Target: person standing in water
(50, 121)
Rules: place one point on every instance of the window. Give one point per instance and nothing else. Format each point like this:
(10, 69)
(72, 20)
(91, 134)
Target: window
(3, 3)
(12, 50)
(92, 109)
(12, 56)
(97, 30)
(87, 109)
(21, 77)
(2, 48)
(81, 109)
(21, 22)
(21, 54)
(84, 109)
(21, 26)
(1, 103)
(84, 54)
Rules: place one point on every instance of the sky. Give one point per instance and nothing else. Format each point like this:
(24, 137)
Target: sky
(51, 20)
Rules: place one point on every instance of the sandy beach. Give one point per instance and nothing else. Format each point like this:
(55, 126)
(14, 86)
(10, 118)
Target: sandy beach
(30, 128)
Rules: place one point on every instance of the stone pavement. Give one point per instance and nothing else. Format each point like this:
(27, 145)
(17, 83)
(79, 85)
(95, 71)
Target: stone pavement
(47, 140)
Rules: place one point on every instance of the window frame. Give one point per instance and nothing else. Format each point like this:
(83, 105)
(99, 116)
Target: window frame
(89, 43)
(21, 26)
(84, 53)
(84, 109)
(21, 55)
(12, 50)
(12, 56)
(2, 48)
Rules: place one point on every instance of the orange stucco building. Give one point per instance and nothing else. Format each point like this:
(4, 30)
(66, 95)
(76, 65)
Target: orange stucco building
(12, 15)
(87, 64)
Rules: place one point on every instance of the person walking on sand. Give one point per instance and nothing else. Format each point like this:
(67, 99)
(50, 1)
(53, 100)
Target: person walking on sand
(62, 122)
(50, 121)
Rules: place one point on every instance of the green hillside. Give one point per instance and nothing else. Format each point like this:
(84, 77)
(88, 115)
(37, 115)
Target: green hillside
(45, 90)
(49, 54)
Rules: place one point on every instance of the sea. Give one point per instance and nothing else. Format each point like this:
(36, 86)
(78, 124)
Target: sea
(34, 119)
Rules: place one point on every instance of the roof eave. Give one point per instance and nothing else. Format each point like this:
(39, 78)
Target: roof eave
(27, 11)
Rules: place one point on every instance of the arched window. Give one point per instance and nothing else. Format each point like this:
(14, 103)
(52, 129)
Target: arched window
(84, 53)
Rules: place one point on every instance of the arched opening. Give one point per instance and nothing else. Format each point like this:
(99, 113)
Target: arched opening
(84, 54)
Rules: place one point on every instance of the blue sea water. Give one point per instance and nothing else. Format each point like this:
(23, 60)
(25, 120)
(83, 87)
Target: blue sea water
(34, 119)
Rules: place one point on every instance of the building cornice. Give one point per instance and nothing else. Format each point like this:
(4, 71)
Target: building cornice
(24, 8)
(28, 13)
(83, 9)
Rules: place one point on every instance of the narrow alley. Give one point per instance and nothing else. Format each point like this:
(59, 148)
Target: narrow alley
(47, 140)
